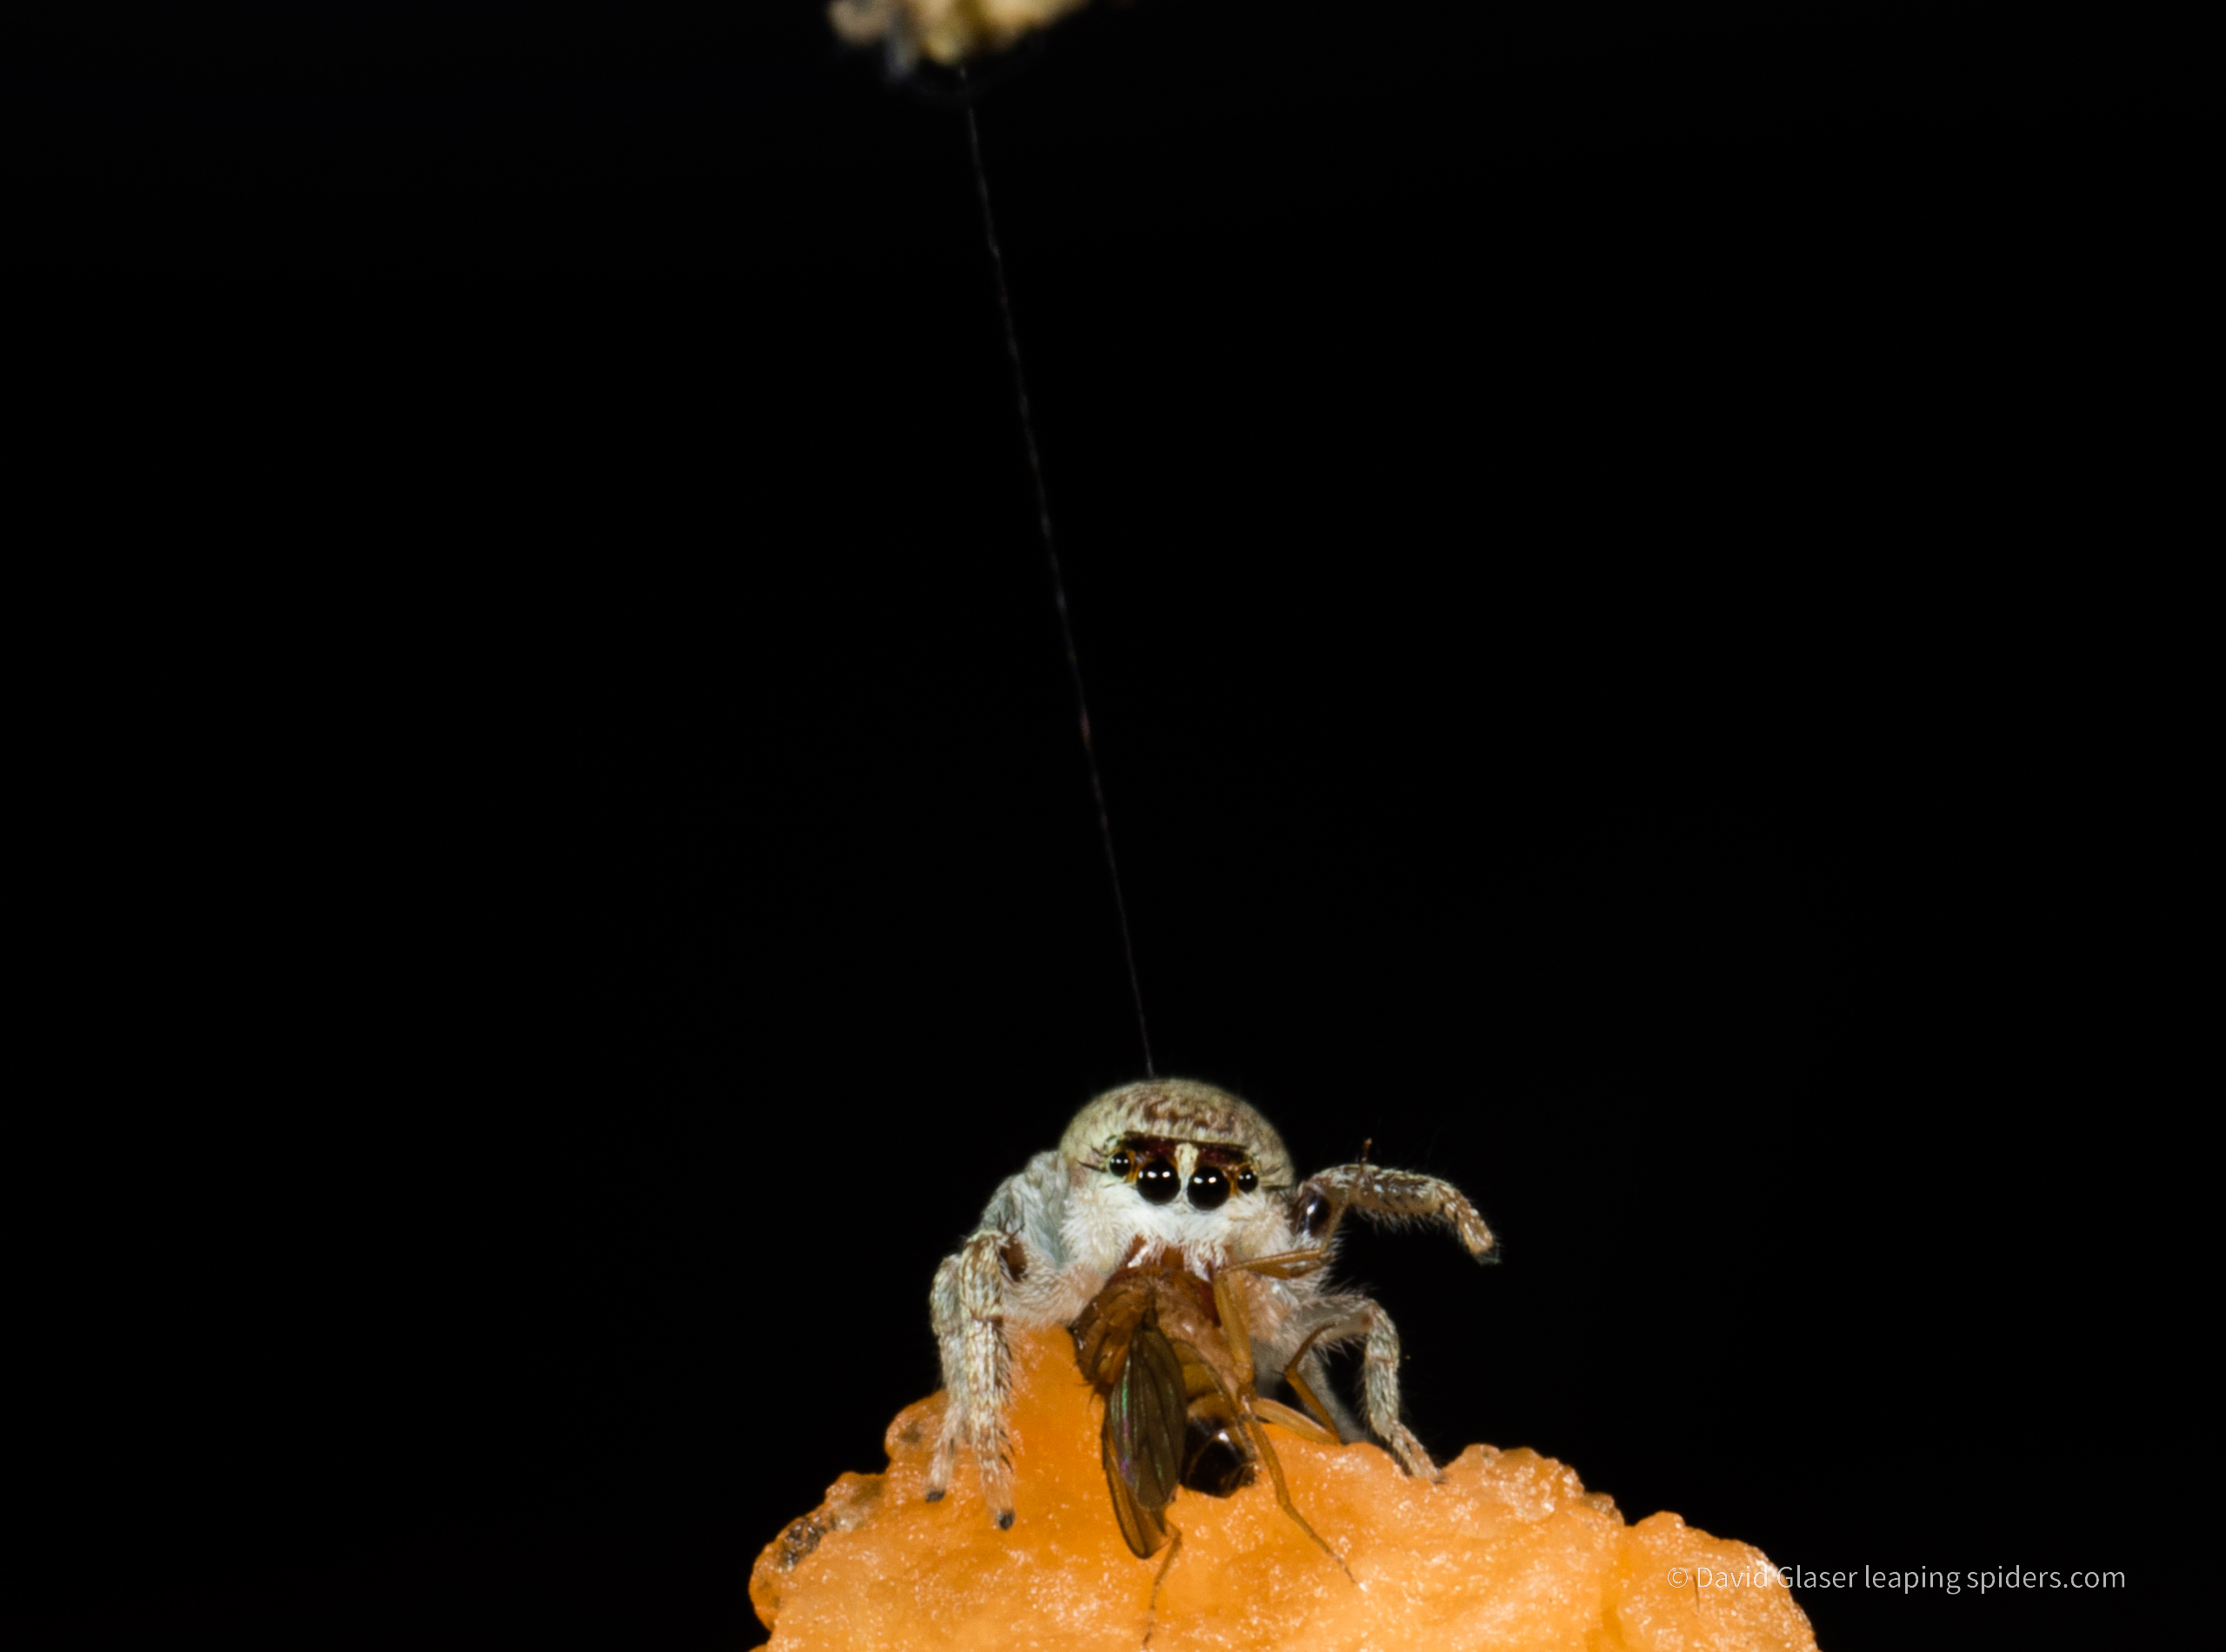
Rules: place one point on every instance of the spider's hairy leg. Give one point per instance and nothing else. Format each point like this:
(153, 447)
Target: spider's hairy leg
(1405, 1195)
(948, 1320)
(1345, 1319)
(1011, 1269)
(967, 1306)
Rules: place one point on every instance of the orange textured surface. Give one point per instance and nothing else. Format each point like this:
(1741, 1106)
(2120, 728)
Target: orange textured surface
(1510, 1551)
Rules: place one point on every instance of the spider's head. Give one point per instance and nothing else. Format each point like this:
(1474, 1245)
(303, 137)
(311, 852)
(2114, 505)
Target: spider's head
(1175, 1162)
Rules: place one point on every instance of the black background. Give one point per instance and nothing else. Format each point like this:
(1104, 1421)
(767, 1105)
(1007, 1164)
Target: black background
(1597, 558)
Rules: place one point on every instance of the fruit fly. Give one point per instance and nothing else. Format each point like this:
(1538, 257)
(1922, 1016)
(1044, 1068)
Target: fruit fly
(1171, 1353)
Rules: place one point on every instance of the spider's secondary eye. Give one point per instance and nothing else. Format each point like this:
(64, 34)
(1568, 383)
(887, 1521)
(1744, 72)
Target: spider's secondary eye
(1159, 1181)
(1120, 1164)
(1209, 1187)
(1246, 1179)
(1311, 1213)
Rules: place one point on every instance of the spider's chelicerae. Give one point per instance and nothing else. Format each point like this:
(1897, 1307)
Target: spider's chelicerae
(1158, 1167)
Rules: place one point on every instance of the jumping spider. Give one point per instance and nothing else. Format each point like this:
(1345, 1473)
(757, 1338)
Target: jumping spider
(1173, 1166)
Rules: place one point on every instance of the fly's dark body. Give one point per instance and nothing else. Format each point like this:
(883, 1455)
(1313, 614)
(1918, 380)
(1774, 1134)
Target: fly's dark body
(1171, 1352)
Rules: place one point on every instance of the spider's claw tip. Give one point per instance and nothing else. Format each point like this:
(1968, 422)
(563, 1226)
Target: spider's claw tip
(1004, 1521)
(935, 1494)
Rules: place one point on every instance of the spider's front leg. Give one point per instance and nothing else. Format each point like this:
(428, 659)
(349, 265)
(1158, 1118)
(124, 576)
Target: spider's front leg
(1013, 1269)
(968, 1307)
(1392, 1197)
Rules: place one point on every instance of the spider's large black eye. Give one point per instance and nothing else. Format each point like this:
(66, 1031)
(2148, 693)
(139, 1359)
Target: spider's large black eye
(1158, 1182)
(1311, 1213)
(1209, 1187)
(1120, 1164)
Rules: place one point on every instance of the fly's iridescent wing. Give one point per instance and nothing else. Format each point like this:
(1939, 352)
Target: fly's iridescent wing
(1145, 1529)
(1143, 1439)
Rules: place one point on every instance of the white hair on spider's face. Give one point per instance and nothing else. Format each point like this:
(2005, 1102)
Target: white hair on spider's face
(1175, 1167)
(949, 32)
(1147, 1144)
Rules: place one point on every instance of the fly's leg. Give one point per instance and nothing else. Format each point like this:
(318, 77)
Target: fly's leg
(1174, 1548)
(1236, 1330)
